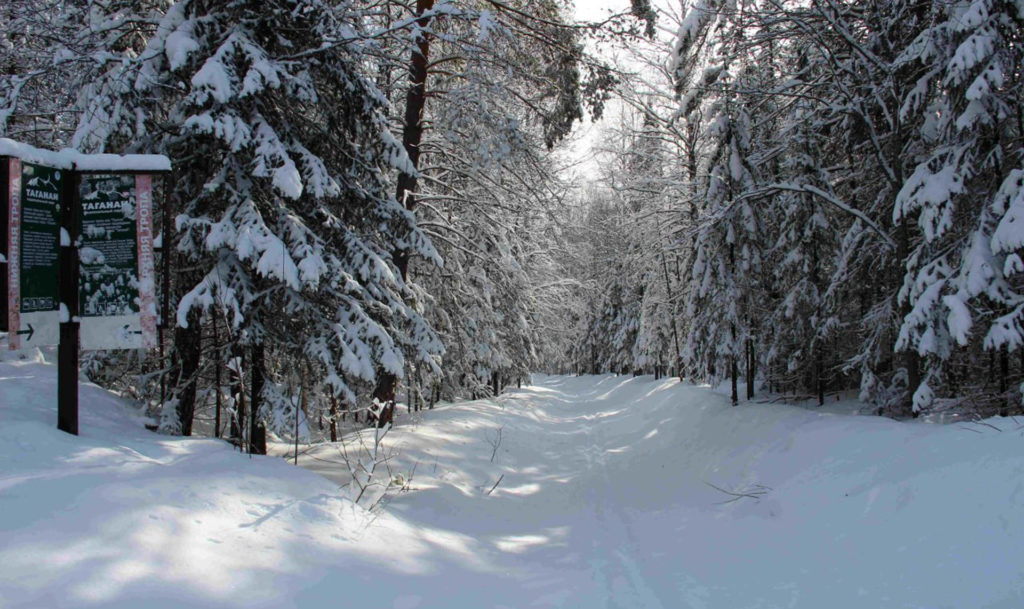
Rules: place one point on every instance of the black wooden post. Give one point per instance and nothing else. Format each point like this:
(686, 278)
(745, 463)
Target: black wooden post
(257, 430)
(67, 350)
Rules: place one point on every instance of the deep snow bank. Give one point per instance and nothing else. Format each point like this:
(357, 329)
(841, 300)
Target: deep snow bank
(576, 492)
(123, 517)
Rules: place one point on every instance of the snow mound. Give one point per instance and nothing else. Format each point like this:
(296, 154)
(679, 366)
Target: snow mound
(122, 517)
(575, 492)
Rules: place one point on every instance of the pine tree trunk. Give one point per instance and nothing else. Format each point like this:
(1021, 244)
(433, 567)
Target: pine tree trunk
(750, 368)
(668, 290)
(257, 430)
(217, 377)
(334, 418)
(732, 336)
(187, 355)
(412, 134)
(1004, 385)
(733, 373)
(820, 382)
(302, 408)
(238, 393)
(911, 359)
(416, 396)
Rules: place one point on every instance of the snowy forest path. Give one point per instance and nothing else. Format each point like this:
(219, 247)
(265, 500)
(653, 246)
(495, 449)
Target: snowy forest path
(562, 526)
(615, 558)
(625, 493)
(597, 492)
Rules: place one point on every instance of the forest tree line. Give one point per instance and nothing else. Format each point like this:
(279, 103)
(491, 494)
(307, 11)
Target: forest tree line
(814, 197)
(370, 203)
(362, 199)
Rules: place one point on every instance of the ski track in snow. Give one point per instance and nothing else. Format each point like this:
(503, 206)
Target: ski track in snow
(614, 560)
(604, 503)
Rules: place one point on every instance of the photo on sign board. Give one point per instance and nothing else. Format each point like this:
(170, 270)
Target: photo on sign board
(108, 256)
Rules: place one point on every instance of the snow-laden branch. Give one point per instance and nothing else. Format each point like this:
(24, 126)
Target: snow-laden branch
(828, 198)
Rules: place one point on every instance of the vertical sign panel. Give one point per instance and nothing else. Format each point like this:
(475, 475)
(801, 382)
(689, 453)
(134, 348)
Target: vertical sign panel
(109, 275)
(41, 189)
(147, 273)
(13, 254)
(4, 219)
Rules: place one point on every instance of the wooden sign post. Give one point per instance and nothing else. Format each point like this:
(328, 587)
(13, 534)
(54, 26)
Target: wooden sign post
(67, 349)
(77, 244)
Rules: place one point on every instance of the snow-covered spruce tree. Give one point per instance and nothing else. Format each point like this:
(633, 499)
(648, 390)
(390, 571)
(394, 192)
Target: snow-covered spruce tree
(480, 151)
(851, 86)
(646, 189)
(49, 49)
(503, 84)
(963, 276)
(613, 285)
(645, 324)
(727, 264)
(286, 219)
(804, 316)
(665, 153)
(867, 92)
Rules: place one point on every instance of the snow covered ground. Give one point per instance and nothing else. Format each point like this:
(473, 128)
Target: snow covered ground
(606, 498)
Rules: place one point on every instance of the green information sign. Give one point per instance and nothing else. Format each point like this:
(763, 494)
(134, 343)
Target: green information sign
(109, 279)
(85, 284)
(40, 230)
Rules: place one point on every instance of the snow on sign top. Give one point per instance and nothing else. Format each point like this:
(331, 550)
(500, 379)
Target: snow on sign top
(72, 159)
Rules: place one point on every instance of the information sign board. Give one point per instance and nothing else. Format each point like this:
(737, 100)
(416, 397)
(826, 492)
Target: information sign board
(116, 287)
(34, 199)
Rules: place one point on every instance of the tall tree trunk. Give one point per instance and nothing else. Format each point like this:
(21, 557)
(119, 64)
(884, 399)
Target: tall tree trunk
(732, 337)
(911, 359)
(732, 376)
(677, 359)
(257, 430)
(334, 418)
(819, 381)
(1004, 384)
(751, 369)
(412, 134)
(410, 402)
(303, 409)
(238, 393)
(187, 355)
(217, 377)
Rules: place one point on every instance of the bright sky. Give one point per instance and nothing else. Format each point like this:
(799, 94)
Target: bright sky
(582, 149)
(593, 10)
(587, 132)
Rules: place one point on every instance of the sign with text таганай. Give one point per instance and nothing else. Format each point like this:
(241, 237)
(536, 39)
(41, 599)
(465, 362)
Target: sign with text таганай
(111, 197)
(116, 274)
(33, 239)
(76, 244)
